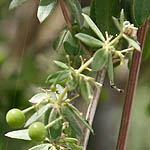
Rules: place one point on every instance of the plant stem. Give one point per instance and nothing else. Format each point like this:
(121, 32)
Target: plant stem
(53, 122)
(85, 65)
(134, 72)
(116, 39)
(65, 14)
(62, 95)
(127, 50)
(28, 109)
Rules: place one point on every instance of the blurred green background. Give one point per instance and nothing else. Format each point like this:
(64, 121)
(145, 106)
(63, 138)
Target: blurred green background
(26, 59)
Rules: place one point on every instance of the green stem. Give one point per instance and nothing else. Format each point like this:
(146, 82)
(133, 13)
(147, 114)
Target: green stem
(28, 109)
(116, 39)
(85, 65)
(62, 95)
(127, 50)
(53, 122)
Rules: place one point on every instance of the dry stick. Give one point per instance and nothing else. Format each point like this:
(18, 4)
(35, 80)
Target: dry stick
(93, 105)
(133, 76)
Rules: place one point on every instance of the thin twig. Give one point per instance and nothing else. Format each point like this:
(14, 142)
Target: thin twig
(93, 105)
(65, 13)
(129, 99)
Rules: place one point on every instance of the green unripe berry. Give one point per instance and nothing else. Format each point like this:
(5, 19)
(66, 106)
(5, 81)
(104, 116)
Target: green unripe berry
(37, 131)
(15, 118)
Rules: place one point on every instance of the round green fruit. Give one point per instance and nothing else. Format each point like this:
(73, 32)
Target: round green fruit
(37, 131)
(15, 118)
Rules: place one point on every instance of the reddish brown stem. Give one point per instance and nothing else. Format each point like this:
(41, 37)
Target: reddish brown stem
(65, 13)
(129, 99)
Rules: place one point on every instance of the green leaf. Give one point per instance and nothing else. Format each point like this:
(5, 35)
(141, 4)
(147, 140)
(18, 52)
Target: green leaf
(89, 40)
(69, 116)
(75, 147)
(38, 98)
(59, 40)
(93, 27)
(104, 10)
(63, 76)
(122, 18)
(19, 134)
(100, 59)
(69, 132)
(37, 114)
(110, 70)
(60, 89)
(16, 3)
(132, 42)
(84, 91)
(71, 140)
(76, 10)
(72, 82)
(140, 11)
(71, 44)
(61, 64)
(55, 131)
(117, 23)
(41, 147)
(77, 114)
(45, 9)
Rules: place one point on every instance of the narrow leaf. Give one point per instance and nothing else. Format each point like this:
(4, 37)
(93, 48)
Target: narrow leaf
(55, 131)
(122, 17)
(110, 70)
(132, 42)
(16, 3)
(37, 115)
(59, 40)
(41, 147)
(117, 23)
(61, 64)
(83, 89)
(63, 76)
(76, 10)
(71, 44)
(19, 134)
(60, 89)
(77, 114)
(100, 59)
(89, 40)
(38, 98)
(69, 116)
(71, 140)
(72, 82)
(75, 147)
(45, 9)
(93, 27)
